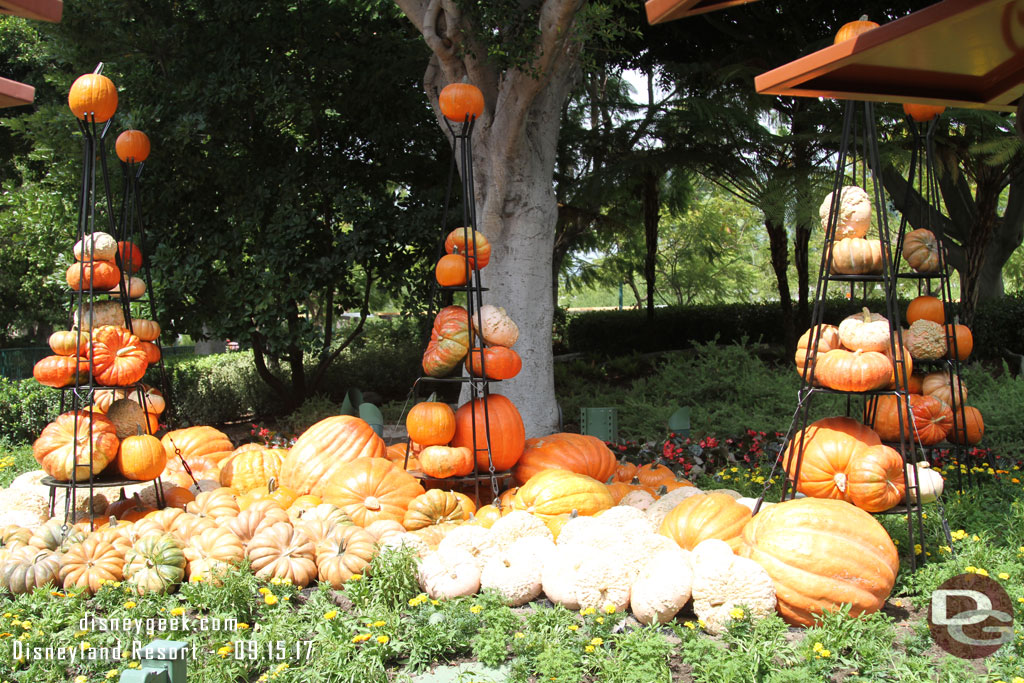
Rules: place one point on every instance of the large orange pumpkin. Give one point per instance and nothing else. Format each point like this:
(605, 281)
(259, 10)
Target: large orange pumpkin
(250, 469)
(142, 457)
(507, 433)
(99, 275)
(199, 441)
(565, 451)
(449, 341)
(704, 516)
(821, 554)
(558, 492)
(371, 489)
(827, 446)
(853, 370)
(324, 448)
(442, 462)
(117, 356)
(64, 447)
(60, 371)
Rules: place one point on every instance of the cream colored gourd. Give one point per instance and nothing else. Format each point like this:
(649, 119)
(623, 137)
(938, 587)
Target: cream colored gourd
(722, 582)
(99, 246)
(931, 483)
(517, 578)
(560, 574)
(856, 256)
(662, 587)
(854, 212)
(495, 326)
(475, 540)
(865, 331)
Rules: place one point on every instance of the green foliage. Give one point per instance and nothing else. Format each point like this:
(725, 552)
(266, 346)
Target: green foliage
(26, 406)
(216, 389)
(388, 583)
(14, 460)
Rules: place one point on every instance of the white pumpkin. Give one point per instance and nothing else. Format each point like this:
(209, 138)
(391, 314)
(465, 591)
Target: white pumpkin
(494, 325)
(930, 483)
(865, 331)
(854, 212)
(99, 246)
(453, 574)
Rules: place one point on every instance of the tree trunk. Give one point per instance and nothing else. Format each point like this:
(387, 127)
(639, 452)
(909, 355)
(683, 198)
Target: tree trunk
(779, 247)
(651, 206)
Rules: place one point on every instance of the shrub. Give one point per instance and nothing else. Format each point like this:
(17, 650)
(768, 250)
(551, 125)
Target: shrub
(26, 406)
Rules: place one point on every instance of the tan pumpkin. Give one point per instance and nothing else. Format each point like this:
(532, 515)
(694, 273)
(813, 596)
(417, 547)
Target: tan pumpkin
(827, 340)
(921, 250)
(250, 522)
(246, 470)
(343, 554)
(87, 565)
(212, 552)
(853, 212)
(433, 507)
(938, 384)
(194, 442)
(926, 340)
(282, 551)
(865, 331)
(495, 326)
(856, 256)
(218, 504)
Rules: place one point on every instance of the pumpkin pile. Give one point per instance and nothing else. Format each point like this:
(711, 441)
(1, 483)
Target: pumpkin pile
(852, 253)
(851, 357)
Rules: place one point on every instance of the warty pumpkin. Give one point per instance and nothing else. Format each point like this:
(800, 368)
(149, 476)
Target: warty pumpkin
(322, 450)
(495, 326)
(853, 212)
(821, 554)
(926, 340)
(96, 246)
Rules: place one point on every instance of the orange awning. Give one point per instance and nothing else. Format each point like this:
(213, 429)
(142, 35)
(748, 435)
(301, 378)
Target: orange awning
(41, 10)
(958, 53)
(660, 11)
(14, 94)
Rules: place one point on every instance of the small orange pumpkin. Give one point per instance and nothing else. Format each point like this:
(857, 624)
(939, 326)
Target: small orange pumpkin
(451, 270)
(851, 30)
(93, 96)
(132, 146)
(461, 101)
(431, 423)
(922, 112)
(142, 457)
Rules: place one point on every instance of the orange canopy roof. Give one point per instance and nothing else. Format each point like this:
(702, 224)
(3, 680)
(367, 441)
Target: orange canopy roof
(12, 93)
(660, 11)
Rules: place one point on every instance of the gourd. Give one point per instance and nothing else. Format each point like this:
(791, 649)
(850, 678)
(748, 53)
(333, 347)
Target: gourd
(64, 447)
(69, 343)
(854, 212)
(506, 431)
(495, 326)
(323, 449)
(821, 555)
(580, 453)
(557, 492)
(87, 565)
(155, 564)
(283, 552)
(926, 340)
(449, 341)
(515, 576)
(929, 482)
(874, 478)
(98, 314)
(27, 568)
(441, 462)
(146, 330)
(431, 423)
(369, 489)
(132, 146)
(856, 256)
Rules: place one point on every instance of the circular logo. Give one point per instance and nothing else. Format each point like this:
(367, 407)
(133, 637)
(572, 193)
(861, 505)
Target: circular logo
(971, 616)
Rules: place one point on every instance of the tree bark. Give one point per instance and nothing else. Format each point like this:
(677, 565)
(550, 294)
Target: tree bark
(779, 248)
(651, 217)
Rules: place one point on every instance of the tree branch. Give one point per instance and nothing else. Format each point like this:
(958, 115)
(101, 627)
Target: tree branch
(258, 351)
(325, 361)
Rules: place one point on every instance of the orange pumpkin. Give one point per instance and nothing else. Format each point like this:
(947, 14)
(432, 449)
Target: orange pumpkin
(703, 516)
(323, 449)
(827, 446)
(249, 469)
(853, 370)
(921, 250)
(507, 433)
(70, 342)
(874, 478)
(60, 371)
(132, 146)
(926, 308)
(449, 341)
(451, 270)
(370, 489)
(152, 352)
(142, 457)
(827, 340)
(93, 97)
(442, 462)
(566, 451)
(468, 505)
(99, 275)
(654, 475)
(852, 29)
(821, 555)
(471, 243)
(131, 259)
(487, 515)
(961, 336)
(117, 356)
(431, 423)
(625, 471)
(496, 362)
(931, 419)
(65, 446)
(177, 496)
(922, 112)
(969, 427)
(461, 102)
(194, 442)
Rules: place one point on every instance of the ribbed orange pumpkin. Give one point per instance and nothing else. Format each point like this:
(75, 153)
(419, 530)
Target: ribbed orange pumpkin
(654, 475)
(70, 342)
(199, 441)
(60, 371)
(370, 489)
(433, 507)
(249, 469)
(828, 445)
(932, 420)
(856, 256)
(132, 146)
(579, 453)
(449, 341)
(323, 449)
(558, 492)
(703, 516)
(431, 423)
(969, 428)
(507, 432)
(828, 339)
(117, 356)
(471, 243)
(100, 275)
(853, 370)
(821, 554)
(64, 447)
(142, 457)
(625, 471)
(851, 30)
(93, 97)
(926, 308)
(459, 101)
(874, 478)
(921, 250)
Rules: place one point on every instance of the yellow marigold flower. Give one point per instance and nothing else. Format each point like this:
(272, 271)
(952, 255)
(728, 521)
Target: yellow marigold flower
(945, 549)
(356, 577)
(702, 623)
(177, 611)
(79, 634)
(971, 569)
(818, 646)
(435, 603)
(281, 667)
(360, 637)
(982, 572)
(382, 639)
(590, 610)
(960, 534)
(129, 604)
(331, 614)
(264, 590)
(379, 623)
(81, 679)
(7, 615)
(825, 654)
(275, 581)
(573, 627)
(134, 664)
(1018, 679)
(599, 620)
(975, 537)
(1015, 480)
(476, 609)
(609, 608)
(588, 648)
(224, 651)
(736, 613)
(917, 548)
(596, 641)
(287, 598)
(85, 645)
(270, 599)
(111, 673)
(241, 626)
(734, 469)
(1004, 576)
(518, 634)
(690, 625)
